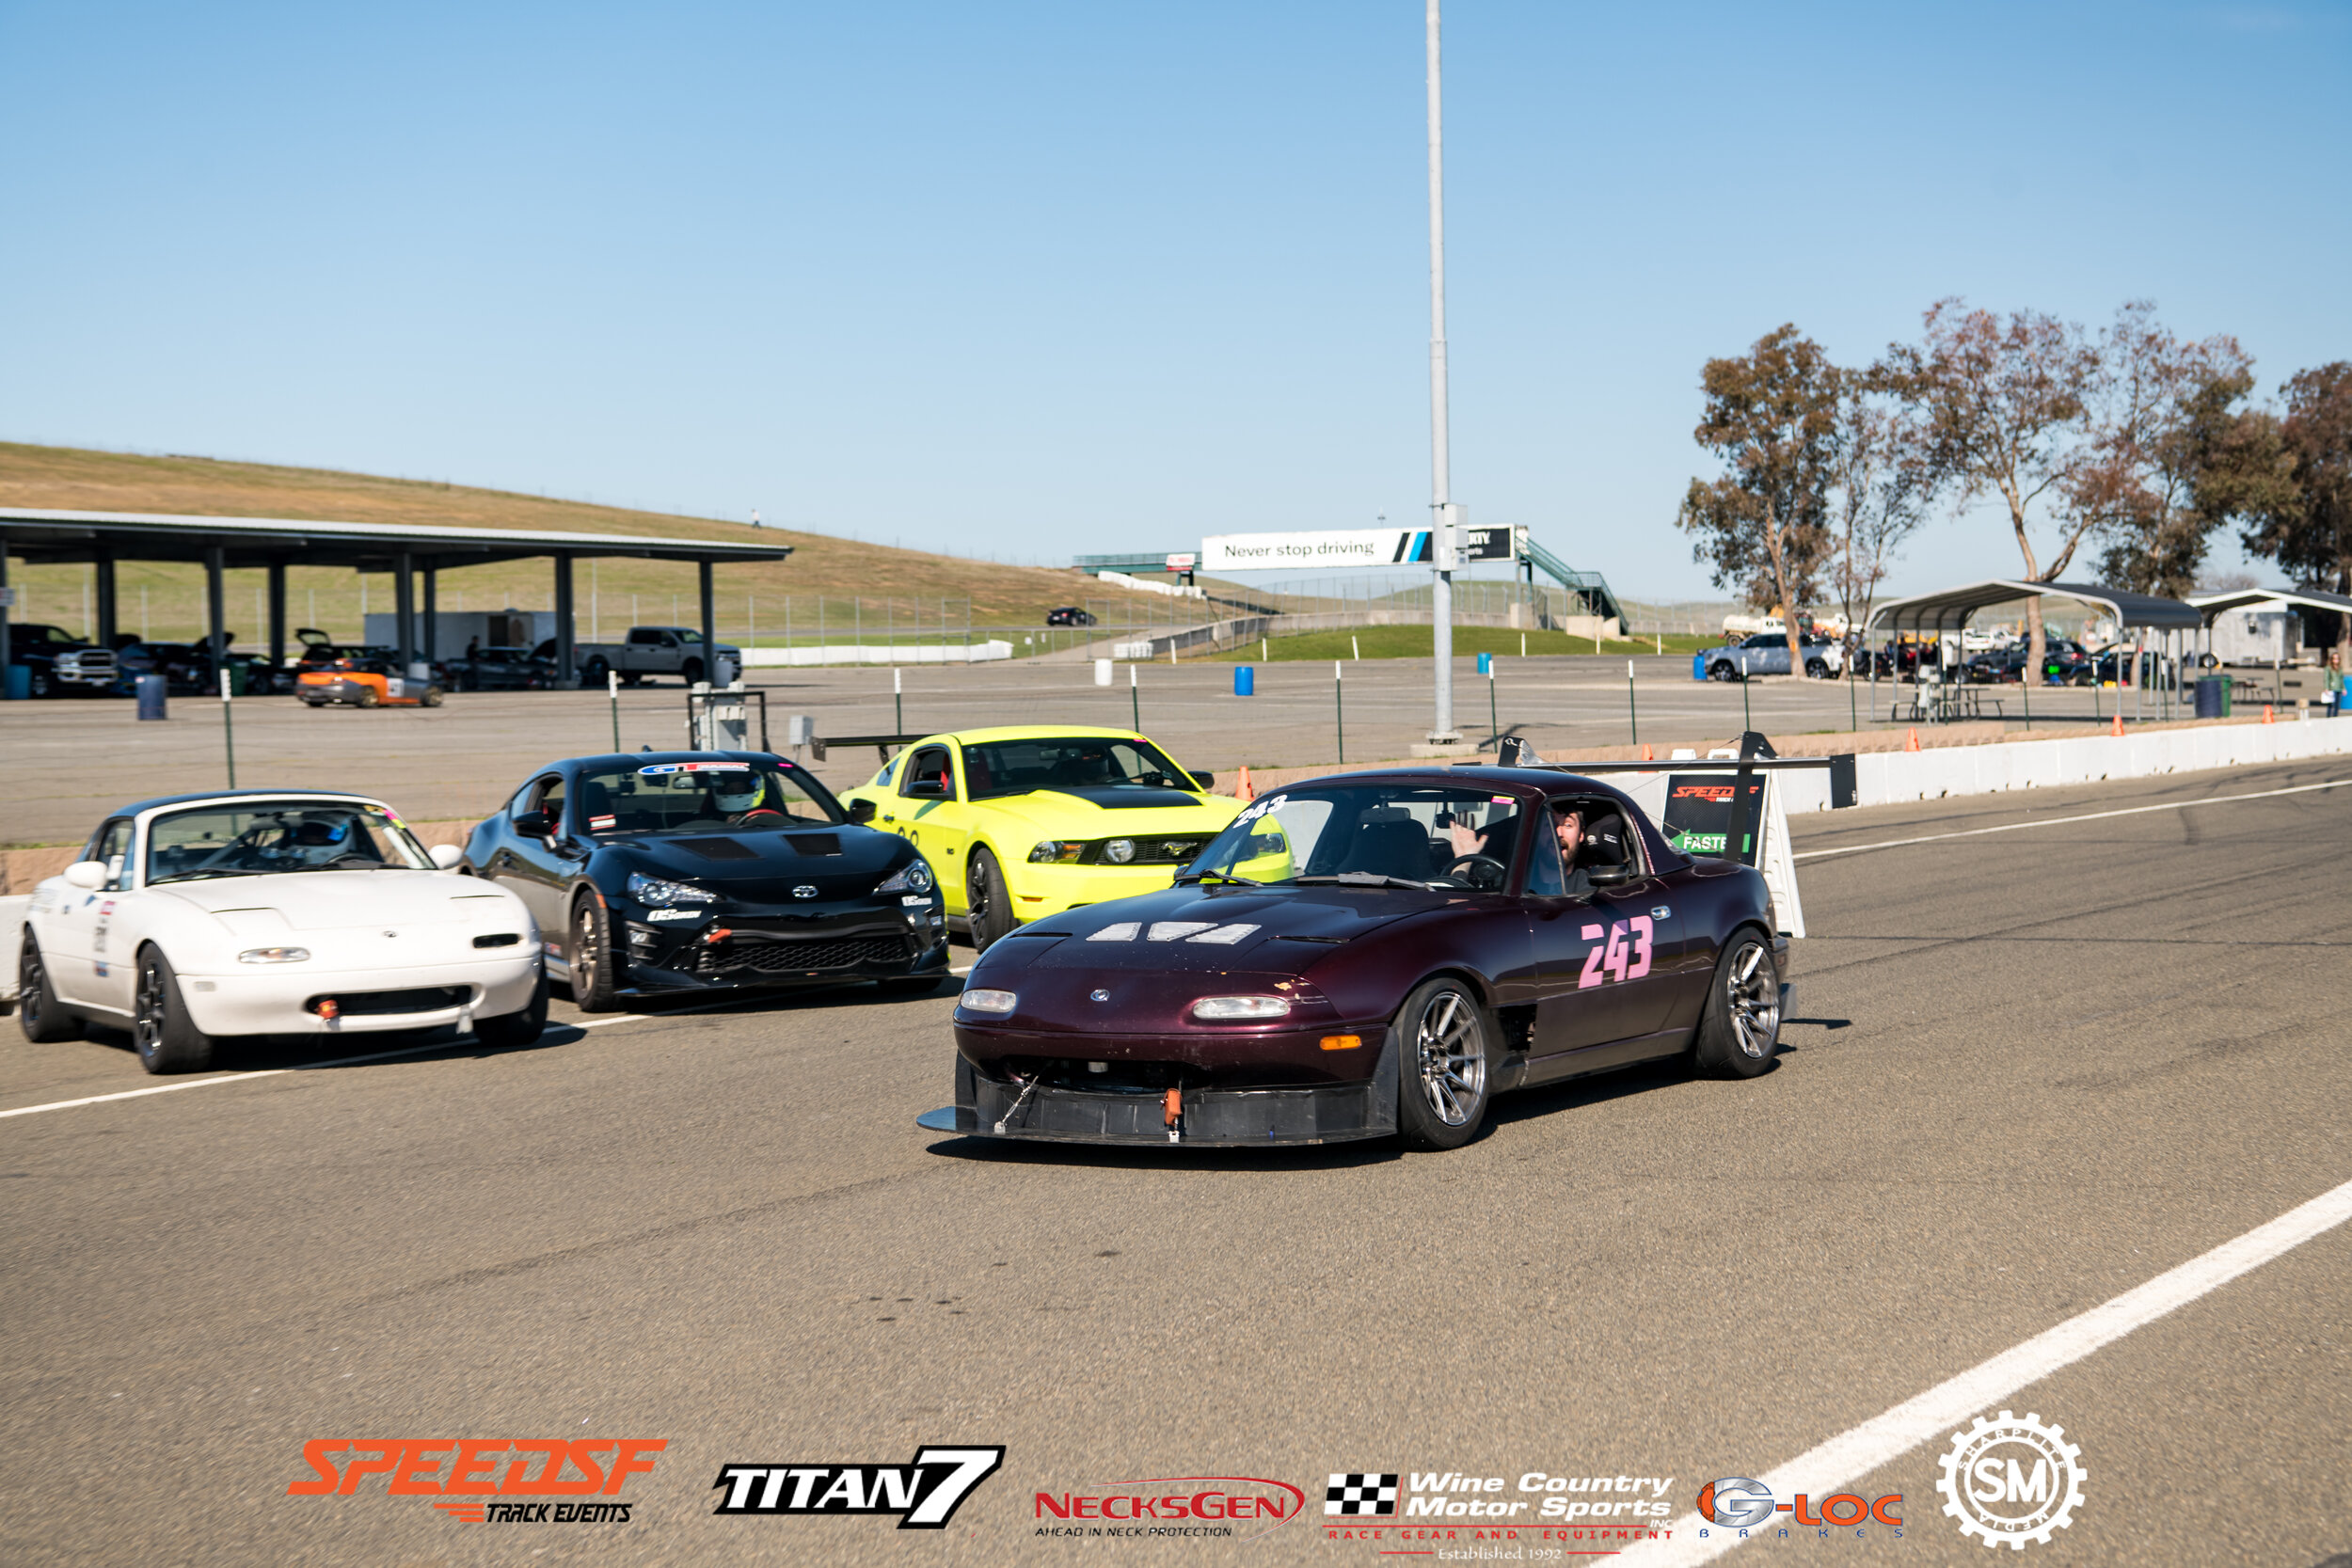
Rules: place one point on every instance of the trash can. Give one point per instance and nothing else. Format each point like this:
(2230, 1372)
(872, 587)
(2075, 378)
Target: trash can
(19, 684)
(237, 673)
(1485, 664)
(151, 690)
(1245, 681)
(2211, 697)
(1698, 667)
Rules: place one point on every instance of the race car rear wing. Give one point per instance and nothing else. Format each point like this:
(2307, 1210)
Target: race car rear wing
(1744, 817)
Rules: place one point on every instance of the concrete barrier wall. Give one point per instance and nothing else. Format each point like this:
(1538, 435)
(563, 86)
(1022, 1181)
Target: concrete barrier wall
(1884, 777)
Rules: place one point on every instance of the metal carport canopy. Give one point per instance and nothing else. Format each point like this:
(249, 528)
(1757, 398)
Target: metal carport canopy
(2213, 605)
(1950, 609)
(49, 537)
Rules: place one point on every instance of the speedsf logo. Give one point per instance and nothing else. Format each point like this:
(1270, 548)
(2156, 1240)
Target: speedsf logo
(1451, 1495)
(923, 1494)
(486, 1480)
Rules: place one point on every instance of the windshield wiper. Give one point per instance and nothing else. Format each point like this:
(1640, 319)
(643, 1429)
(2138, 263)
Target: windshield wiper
(1365, 878)
(199, 876)
(1220, 876)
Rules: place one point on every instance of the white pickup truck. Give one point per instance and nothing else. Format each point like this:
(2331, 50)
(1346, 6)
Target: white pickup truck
(650, 651)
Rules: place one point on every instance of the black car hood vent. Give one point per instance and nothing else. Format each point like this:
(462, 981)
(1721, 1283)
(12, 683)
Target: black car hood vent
(719, 848)
(815, 844)
(1126, 796)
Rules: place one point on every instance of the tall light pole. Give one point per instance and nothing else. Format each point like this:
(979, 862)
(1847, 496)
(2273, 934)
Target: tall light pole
(1441, 501)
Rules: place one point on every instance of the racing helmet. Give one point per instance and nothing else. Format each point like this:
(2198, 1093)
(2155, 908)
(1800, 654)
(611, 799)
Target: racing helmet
(736, 792)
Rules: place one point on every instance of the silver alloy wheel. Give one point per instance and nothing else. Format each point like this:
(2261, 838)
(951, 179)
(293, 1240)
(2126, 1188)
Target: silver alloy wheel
(584, 954)
(147, 1024)
(1752, 991)
(1452, 1057)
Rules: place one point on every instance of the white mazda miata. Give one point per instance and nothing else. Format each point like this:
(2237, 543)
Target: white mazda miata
(272, 912)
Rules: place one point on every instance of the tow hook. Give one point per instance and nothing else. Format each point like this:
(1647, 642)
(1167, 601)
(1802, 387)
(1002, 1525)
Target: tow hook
(1175, 1106)
(1028, 1089)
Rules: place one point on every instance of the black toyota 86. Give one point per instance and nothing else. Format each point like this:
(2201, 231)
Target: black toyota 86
(665, 873)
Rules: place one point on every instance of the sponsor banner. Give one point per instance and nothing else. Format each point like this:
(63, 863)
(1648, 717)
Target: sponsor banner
(1547, 1514)
(1362, 546)
(923, 1494)
(492, 1480)
(1169, 1507)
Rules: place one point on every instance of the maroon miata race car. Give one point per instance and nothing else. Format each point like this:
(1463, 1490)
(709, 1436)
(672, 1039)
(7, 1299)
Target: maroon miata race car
(1372, 955)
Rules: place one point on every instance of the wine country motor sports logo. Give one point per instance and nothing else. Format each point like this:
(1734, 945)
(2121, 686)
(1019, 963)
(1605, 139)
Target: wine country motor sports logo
(1744, 1505)
(2010, 1481)
(1231, 1508)
(1356, 1495)
(923, 1494)
(464, 1473)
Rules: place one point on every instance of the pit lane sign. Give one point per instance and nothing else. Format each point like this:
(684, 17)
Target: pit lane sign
(1365, 546)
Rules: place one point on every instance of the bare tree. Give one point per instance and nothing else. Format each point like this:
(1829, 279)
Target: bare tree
(1772, 418)
(1879, 490)
(2003, 406)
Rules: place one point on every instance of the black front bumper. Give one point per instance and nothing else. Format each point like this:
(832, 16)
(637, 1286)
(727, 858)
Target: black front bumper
(1207, 1119)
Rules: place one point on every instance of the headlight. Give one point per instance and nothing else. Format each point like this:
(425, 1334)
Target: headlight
(914, 877)
(660, 890)
(988, 1001)
(1056, 852)
(1118, 851)
(1241, 1007)
(272, 955)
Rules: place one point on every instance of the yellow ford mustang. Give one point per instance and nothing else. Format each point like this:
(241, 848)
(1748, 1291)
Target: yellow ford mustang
(1028, 820)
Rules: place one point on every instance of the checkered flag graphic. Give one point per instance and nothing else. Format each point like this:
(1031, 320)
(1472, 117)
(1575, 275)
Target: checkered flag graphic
(1361, 1494)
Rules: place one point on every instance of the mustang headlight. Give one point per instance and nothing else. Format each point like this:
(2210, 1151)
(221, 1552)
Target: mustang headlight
(1241, 1007)
(660, 890)
(988, 1001)
(1118, 851)
(1057, 851)
(914, 877)
(272, 955)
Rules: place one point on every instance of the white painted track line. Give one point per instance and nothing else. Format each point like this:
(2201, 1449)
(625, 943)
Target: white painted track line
(1944, 1408)
(2061, 821)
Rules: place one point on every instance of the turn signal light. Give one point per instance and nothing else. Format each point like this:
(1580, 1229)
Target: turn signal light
(1341, 1042)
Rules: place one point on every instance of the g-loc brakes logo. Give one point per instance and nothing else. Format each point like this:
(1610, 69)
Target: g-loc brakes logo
(1739, 1502)
(925, 1494)
(1992, 1497)
(535, 1468)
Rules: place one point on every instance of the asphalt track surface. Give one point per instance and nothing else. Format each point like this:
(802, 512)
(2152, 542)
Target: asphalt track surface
(2028, 1073)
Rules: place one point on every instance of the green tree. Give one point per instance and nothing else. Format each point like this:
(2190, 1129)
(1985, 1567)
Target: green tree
(2300, 515)
(1772, 418)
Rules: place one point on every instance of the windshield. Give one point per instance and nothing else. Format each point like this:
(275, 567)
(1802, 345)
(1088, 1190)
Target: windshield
(1073, 762)
(267, 839)
(1373, 834)
(699, 795)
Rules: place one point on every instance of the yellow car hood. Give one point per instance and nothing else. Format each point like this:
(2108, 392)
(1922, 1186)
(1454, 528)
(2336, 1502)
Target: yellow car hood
(1104, 812)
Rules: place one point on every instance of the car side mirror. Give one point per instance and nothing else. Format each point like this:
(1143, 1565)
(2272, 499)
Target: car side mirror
(861, 810)
(531, 824)
(446, 857)
(89, 875)
(924, 789)
(1206, 781)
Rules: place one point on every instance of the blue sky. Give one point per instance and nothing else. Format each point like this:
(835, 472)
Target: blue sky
(1031, 280)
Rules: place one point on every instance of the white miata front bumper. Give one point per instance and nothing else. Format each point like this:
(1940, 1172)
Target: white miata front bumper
(281, 999)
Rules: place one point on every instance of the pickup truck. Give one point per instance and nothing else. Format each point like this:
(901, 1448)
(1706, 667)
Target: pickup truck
(648, 651)
(1767, 654)
(59, 663)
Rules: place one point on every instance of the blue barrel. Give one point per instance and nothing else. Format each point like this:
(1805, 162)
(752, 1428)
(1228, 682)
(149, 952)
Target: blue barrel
(1245, 681)
(1698, 667)
(1485, 664)
(2210, 700)
(151, 689)
(19, 684)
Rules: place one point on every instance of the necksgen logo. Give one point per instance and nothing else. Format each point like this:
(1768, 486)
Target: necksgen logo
(534, 1467)
(924, 1494)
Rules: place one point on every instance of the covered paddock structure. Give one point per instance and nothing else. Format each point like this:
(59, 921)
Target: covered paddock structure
(1946, 614)
(414, 555)
(2214, 606)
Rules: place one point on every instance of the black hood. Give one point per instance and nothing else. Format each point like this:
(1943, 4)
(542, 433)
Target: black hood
(840, 861)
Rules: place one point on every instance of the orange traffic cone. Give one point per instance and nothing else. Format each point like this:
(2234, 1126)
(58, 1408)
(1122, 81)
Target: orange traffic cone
(2116, 725)
(1245, 790)
(2269, 717)
(1647, 754)
(1911, 741)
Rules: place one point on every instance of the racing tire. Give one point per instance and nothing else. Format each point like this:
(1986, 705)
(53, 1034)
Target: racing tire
(367, 697)
(590, 954)
(432, 696)
(1739, 1029)
(1445, 1045)
(38, 1011)
(690, 672)
(167, 1041)
(1817, 669)
(987, 902)
(509, 1030)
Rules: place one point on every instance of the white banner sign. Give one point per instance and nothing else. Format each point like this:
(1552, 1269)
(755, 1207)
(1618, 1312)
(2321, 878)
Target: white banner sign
(1367, 546)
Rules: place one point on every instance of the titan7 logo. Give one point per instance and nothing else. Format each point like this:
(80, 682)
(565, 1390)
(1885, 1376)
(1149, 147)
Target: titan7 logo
(924, 1494)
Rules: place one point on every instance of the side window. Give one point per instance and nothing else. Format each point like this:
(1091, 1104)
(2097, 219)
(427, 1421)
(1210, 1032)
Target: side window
(883, 777)
(550, 799)
(112, 845)
(688, 637)
(643, 635)
(930, 763)
(521, 803)
(1543, 877)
